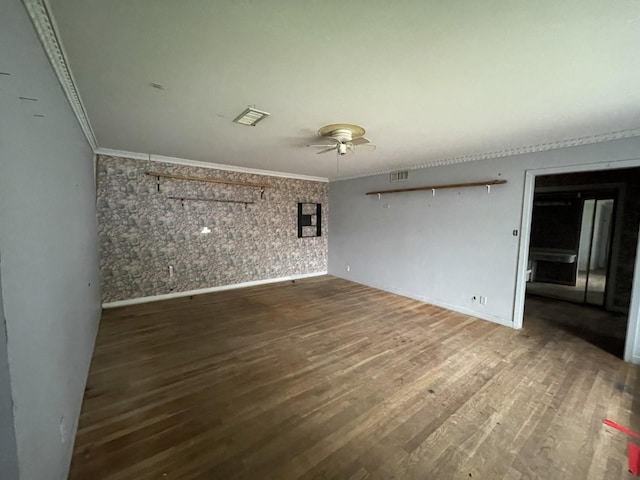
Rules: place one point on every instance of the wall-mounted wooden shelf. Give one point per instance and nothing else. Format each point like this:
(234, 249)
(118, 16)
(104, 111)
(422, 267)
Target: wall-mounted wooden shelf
(209, 180)
(488, 183)
(216, 200)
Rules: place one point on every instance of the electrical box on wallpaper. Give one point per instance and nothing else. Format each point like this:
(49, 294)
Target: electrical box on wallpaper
(309, 220)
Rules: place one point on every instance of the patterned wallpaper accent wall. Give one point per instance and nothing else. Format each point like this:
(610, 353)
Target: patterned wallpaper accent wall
(143, 231)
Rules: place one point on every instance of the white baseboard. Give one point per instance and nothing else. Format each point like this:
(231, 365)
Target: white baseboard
(430, 301)
(188, 293)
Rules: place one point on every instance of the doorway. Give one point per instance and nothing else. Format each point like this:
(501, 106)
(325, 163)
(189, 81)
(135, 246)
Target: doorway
(597, 267)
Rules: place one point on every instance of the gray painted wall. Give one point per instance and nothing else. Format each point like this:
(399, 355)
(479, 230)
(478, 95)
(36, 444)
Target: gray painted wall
(48, 245)
(8, 455)
(448, 248)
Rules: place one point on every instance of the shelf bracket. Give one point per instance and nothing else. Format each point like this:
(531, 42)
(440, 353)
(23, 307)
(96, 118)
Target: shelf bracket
(433, 192)
(158, 182)
(488, 189)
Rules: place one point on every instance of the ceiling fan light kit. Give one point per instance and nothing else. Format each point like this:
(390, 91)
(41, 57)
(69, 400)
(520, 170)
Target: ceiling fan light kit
(346, 137)
(344, 131)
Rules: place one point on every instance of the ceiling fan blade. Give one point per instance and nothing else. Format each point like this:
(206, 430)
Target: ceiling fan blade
(326, 150)
(370, 146)
(322, 145)
(360, 141)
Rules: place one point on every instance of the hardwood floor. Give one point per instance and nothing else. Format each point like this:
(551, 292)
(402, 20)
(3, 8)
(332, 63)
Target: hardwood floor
(605, 330)
(324, 378)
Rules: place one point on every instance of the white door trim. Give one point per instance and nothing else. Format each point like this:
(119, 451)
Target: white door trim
(631, 343)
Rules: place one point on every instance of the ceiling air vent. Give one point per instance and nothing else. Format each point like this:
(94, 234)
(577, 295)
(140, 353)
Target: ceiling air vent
(251, 116)
(399, 176)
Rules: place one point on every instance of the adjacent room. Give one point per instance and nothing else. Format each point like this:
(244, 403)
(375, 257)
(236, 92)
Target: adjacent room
(296, 240)
(584, 232)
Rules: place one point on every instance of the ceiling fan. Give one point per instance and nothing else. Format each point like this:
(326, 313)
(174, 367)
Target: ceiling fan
(346, 138)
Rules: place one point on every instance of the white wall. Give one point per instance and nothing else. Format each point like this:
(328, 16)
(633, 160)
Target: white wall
(448, 248)
(48, 246)
(8, 455)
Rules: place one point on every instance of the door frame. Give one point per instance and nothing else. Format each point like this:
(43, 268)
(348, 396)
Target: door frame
(632, 341)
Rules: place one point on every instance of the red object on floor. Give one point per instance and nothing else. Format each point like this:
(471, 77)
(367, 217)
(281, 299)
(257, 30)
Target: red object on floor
(634, 458)
(634, 450)
(621, 428)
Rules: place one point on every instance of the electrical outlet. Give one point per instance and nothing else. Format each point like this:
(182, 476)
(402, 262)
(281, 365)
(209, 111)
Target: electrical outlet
(348, 268)
(483, 300)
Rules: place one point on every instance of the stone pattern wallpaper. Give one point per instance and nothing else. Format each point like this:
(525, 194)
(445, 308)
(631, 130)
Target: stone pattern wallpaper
(143, 231)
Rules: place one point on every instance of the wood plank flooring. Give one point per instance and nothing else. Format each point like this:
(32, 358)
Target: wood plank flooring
(325, 378)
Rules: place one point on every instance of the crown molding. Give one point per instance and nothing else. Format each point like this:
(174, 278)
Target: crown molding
(196, 163)
(540, 147)
(122, 153)
(47, 30)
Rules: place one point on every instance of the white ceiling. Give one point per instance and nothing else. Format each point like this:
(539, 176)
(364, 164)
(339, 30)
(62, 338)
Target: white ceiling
(427, 79)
